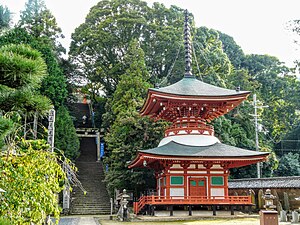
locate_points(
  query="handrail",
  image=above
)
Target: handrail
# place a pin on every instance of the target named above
(140, 204)
(191, 200)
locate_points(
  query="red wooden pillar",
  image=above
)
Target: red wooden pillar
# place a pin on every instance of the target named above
(186, 183)
(208, 165)
(157, 177)
(226, 174)
(185, 166)
(226, 183)
(168, 184)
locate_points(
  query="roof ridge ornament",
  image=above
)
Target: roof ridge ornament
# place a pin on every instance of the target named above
(187, 46)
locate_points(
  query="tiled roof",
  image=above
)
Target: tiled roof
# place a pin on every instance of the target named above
(190, 86)
(274, 182)
(216, 150)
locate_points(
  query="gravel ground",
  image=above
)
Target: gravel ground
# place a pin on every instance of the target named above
(231, 221)
(78, 221)
(244, 221)
(90, 220)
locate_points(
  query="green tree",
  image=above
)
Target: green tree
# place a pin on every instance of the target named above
(288, 165)
(232, 50)
(66, 138)
(111, 25)
(278, 89)
(30, 174)
(41, 25)
(214, 64)
(108, 29)
(22, 71)
(32, 178)
(290, 143)
(273, 83)
(5, 17)
(129, 132)
(38, 21)
(54, 86)
(6, 127)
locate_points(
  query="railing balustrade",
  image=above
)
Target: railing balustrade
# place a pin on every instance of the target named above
(191, 200)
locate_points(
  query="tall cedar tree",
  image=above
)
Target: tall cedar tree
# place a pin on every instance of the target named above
(37, 20)
(130, 132)
(5, 18)
(65, 134)
(41, 25)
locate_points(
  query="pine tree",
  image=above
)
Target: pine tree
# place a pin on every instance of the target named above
(21, 74)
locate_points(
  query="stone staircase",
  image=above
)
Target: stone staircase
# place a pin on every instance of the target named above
(96, 201)
(90, 173)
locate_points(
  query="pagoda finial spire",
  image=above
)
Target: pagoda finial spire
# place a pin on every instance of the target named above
(187, 46)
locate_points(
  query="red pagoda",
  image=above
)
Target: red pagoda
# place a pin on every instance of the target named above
(191, 165)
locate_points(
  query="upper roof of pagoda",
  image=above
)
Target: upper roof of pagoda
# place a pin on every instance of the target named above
(190, 86)
(189, 89)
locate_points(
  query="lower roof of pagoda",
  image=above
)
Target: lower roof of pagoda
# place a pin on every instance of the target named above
(217, 152)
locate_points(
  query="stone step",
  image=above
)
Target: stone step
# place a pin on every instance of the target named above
(82, 200)
(89, 212)
(91, 200)
(92, 207)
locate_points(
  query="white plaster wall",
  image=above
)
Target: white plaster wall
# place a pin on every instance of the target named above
(217, 192)
(177, 192)
(193, 140)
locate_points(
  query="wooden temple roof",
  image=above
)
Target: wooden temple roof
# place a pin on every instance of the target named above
(190, 86)
(263, 183)
(216, 150)
(192, 93)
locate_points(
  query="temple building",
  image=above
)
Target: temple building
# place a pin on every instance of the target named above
(191, 165)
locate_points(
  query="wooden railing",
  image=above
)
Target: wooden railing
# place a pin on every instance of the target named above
(137, 206)
(190, 127)
(190, 200)
(189, 130)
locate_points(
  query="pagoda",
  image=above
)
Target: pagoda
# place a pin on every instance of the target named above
(191, 165)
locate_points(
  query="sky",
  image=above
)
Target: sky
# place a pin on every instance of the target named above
(258, 26)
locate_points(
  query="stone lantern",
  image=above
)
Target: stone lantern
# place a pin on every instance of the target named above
(269, 200)
(270, 215)
(123, 212)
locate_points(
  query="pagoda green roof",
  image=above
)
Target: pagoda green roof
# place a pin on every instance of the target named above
(216, 150)
(190, 86)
